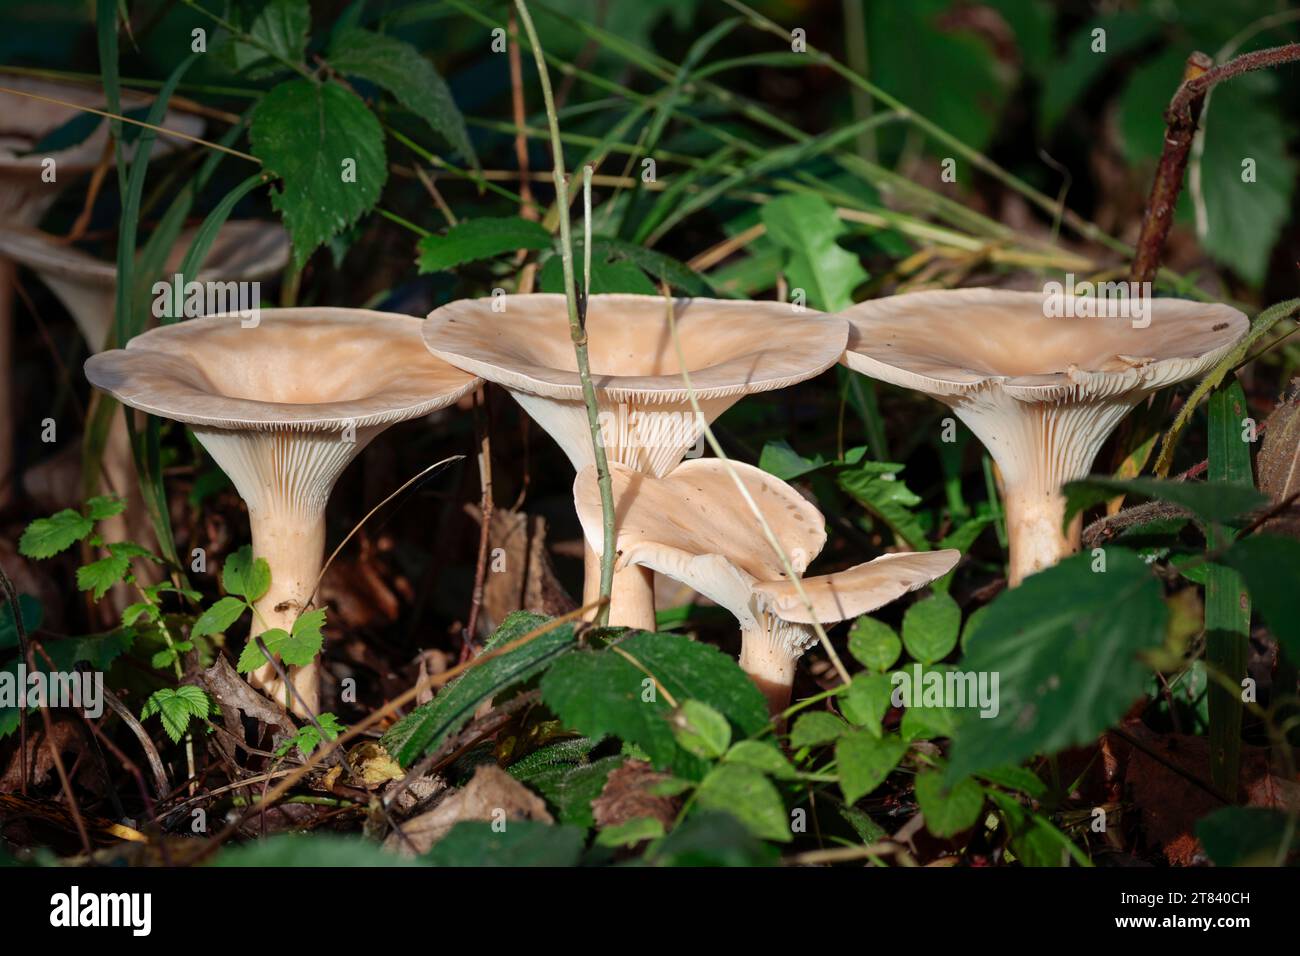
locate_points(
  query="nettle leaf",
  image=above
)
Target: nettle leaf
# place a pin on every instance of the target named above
(747, 795)
(281, 27)
(1066, 647)
(473, 239)
(948, 811)
(806, 227)
(520, 843)
(930, 628)
(425, 728)
(818, 727)
(220, 616)
(1268, 564)
(399, 68)
(46, 537)
(1209, 501)
(865, 760)
(245, 576)
(327, 149)
(32, 614)
(874, 644)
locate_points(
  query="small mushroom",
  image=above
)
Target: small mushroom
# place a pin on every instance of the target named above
(243, 251)
(1042, 392)
(693, 526)
(734, 348)
(283, 407)
(30, 182)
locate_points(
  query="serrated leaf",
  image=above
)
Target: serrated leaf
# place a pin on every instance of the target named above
(304, 133)
(98, 576)
(280, 27)
(46, 537)
(1066, 646)
(399, 68)
(104, 506)
(763, 756)
(864, 761)
(930, 628)
(806, 227)
(948, 811)
(520, 843)
(1210, 501)
(245, 576)
(225, 612)
(473, 239)
(747, 795)
(426, 727)
(606, 277)
(874, 644)
(701, 730)
(876, 486)
(818, 727)
(175, 707)
(297, 648)
(569, 790)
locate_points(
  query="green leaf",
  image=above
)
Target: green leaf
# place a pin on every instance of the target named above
(631, 832)
(98, 576)
(246, 577)
(817, 727)
(712, 839)
(281, 27)
(309, 850)
(948, 811)
(46, 537)
(874, 644)
(308, 738)
(930, 628)
(601, 692)
(865, 760)
(866, 701)
(1268, 564)
(297, 648)
(569, 790)
(779, 459)
(1245, 836)
(520, 843)
(309, 135)
(104, 506)
(175, 707)
(225, 612)
(426, 727)
(876, 486)
(747, 795)
(474, 239)
(1210, 501)
(657, 265)
(1073, 73)
(32, 613)
(1015, 778)
(1066, 647)
(701, 730)
(762, 756)
(806, 226)
(606, 277)
(399, 68)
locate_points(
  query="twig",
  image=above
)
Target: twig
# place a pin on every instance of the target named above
(483, 431)
(577, 327)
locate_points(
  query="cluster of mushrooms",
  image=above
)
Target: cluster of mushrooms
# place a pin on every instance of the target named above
(284, 405)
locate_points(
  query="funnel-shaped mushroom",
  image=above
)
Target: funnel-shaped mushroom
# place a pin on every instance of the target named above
(246, 251)
(693, 526)
(283, 407)
(30, 181)
(1041, 391)
(732, 349)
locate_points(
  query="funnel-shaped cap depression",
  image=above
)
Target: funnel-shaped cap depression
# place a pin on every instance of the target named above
(954, 342)
(297, 369)
(732, 348)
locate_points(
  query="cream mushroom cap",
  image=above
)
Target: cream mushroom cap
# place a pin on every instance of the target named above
(1042, 392)
(283, 406)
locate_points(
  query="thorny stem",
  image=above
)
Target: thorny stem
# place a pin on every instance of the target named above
(577, 329)
(749, 499)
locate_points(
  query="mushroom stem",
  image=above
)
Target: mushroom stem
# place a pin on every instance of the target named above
(293, 544)
(632, 597)
(1034, 519)
(769, 653)
(285, 477)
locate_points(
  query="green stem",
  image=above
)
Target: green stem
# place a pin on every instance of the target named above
(577, 331)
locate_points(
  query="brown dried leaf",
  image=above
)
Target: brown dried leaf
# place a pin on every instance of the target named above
(628, 795)
(1278, 463)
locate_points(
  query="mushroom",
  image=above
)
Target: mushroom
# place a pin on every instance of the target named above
(692, 526)
(283, 407)
(1041, 391)
(27, 190)
(734, 348)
